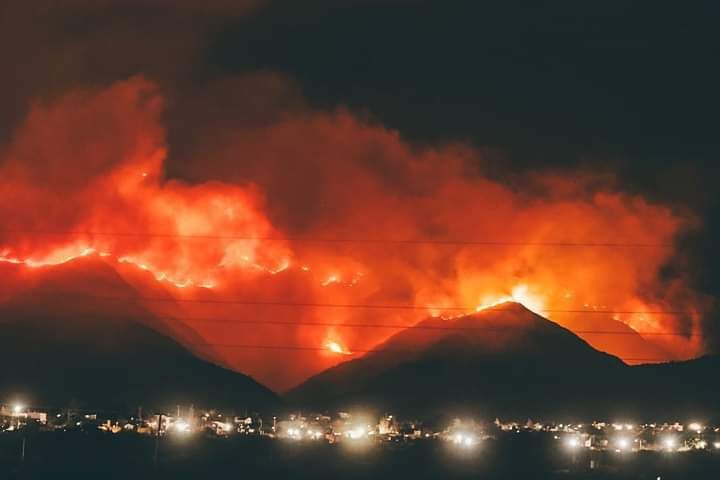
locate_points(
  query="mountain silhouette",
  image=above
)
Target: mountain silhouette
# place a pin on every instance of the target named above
(509, 361)
(61, 346)
(506, 360)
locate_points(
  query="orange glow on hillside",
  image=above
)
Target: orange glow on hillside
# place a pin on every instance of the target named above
(335, 347)
(320, 219)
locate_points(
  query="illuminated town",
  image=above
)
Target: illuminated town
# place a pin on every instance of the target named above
(359, 240)
(344, 427)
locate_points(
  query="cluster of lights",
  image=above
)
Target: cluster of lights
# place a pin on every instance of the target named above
(181, 426)
(668, 437)
(463, 440)
(696, 427)
(298, 433)
(315, 435)
(357, 433)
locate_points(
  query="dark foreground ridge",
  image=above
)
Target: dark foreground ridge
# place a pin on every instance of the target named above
(528, 457)
(93, 357)
(514, 363)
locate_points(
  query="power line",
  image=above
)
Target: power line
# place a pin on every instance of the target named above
(371, 306)
(482, 328)
(390, 326)
(363, 351)
(411, 241)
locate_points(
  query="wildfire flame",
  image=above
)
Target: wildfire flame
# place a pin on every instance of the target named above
(96, 178)
(520, 294)
(335, 347)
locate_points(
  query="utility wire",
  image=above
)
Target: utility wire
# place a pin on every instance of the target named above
(283, 303)
(409, 241)
(482, 328)
(350, 352)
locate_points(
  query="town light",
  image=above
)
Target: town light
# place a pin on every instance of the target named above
(463, 440)
(623, 443)
(572, 443)
(356, 433)
(716, 445)
(18, 408)
(182, 426)
(669, 443)
(696, 427)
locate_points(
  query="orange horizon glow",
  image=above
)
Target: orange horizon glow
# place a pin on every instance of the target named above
(237, 233)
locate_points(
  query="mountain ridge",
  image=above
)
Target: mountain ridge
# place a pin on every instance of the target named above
(508, 361)
(61, 350)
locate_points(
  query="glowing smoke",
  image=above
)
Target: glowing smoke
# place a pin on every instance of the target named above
(93, 162)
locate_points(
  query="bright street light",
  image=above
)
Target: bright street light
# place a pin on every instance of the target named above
(572, 443)
(623, 443)
(182, 426)
(696, 427)
(356, 433)
(670, 443)
(463, 440)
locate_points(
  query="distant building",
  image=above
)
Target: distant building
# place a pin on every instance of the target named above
(13, 412)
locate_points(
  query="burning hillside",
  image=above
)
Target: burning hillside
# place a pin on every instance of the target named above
(321, 232)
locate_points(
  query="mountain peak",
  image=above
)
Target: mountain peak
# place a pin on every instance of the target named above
(480, 358)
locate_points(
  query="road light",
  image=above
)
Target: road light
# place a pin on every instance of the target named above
(18, 408)
(696, 427)
(670, 443)
(623, 443)
(357, 433)
(463, 440)
(572, 443)
(182, 426)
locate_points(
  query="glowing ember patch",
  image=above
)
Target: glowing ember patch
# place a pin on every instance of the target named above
(337, 348)
(284, 265)
(520, 294)
(331, 279)
(163, 276)
(58, 258)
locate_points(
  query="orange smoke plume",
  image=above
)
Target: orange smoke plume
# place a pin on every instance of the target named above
(292, 228)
